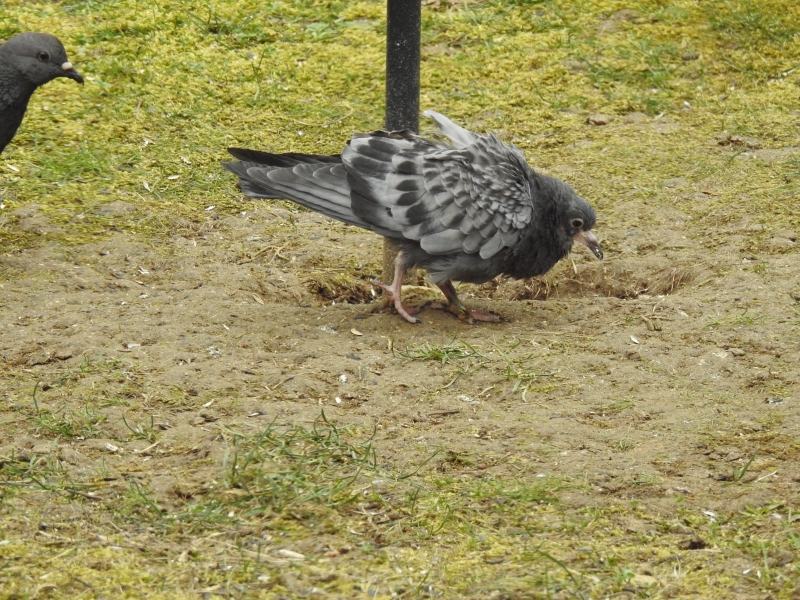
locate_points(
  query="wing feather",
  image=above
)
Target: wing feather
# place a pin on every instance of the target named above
(472, 195)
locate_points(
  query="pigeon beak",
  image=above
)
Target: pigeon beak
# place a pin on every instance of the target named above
(588, 239)
(70, 72)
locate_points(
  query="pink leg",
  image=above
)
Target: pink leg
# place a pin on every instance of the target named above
(395, 291)
(454, 306)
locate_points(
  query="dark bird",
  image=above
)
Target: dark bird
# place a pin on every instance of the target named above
(468, 210)
(27, 61)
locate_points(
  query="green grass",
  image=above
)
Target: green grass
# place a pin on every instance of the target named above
(499, 363)
(443, 353)
(171, 86)
(434, 527)
(282, 469)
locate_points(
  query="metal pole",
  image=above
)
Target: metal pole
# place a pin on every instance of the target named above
(403, 24)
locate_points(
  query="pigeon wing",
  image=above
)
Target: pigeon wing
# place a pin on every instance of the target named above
(474, 199)
(473, 196)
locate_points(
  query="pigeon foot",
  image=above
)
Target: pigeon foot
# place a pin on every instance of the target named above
(455, 306)
(483, 316)
(394, 292)
(394, 299)
(466, 315)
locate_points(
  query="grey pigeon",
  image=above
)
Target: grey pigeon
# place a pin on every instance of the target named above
(467, 211)
(27, 61)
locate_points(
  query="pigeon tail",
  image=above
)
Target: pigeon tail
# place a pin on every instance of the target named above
(319, 186)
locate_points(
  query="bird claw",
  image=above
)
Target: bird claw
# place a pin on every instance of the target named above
(466, 315)
(392, 299)
(483, 316)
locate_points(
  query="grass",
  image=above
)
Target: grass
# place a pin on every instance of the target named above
(156, 73)
(443, 353)
(282, 469)
(451, 532)
(503, 364)
(170, 86)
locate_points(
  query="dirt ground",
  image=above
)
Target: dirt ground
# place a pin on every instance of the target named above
(665, 375)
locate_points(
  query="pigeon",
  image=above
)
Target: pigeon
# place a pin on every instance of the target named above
(465, 210)
(27, 61)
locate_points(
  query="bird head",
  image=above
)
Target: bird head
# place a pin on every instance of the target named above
(39, 57)
(578, 221)
(575, 216)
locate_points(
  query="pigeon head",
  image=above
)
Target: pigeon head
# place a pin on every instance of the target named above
(39, 58)
(575, 217)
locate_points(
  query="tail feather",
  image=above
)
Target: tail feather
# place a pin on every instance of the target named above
(319, 186)
(288, 159)
(252, 190)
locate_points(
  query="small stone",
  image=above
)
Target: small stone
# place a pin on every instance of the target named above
(643, 580)
(599, 119)
(745, 140)
(43, 448)
(72, 457)
(627, 14)
(607, 26)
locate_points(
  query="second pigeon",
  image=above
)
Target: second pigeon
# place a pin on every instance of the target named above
(27, 61)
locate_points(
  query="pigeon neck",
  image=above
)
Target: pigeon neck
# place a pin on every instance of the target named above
(15, 90)
(540, 249)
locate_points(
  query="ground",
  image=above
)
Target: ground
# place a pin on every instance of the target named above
(201, 396)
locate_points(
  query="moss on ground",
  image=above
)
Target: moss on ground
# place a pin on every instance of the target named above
(170, 85)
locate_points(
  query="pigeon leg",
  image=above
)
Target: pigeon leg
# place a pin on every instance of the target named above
(455, 306)
(394, 292)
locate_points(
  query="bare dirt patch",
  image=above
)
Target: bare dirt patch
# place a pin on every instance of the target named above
(641, 379)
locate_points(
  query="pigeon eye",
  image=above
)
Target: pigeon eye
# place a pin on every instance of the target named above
(43, 56)
(577, 223)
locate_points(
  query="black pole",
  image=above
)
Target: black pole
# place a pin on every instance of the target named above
(403, 24)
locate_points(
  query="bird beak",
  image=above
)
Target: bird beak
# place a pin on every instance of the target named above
(70, 72)
(587, 239)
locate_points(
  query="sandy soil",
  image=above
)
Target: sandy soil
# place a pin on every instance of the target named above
(658, 375)
(690, 381)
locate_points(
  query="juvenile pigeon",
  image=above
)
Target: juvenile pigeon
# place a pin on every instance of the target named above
(466, 211)
(27, 61)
